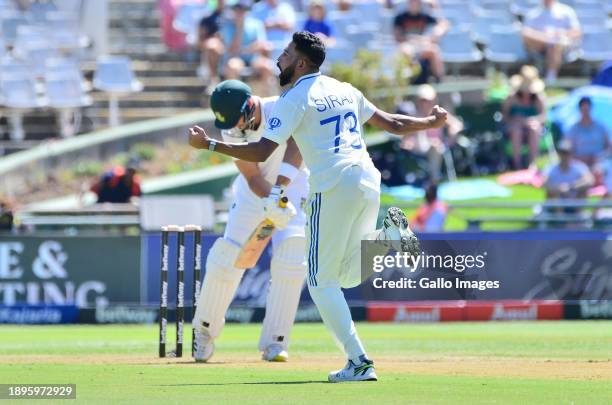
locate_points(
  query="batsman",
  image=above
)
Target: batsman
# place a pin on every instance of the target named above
(259, 196)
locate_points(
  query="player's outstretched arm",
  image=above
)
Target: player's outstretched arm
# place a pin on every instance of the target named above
(250, 152)
(400, 124)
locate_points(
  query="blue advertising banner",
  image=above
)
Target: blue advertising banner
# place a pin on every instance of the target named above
(39, 314)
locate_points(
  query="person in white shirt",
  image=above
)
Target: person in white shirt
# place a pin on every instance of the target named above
(570, 178)
(241, 116)
(278, 17)
(325, 118)
(552, 30)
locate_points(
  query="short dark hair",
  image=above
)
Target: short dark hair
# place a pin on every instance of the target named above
(310, 46)
(586, 100)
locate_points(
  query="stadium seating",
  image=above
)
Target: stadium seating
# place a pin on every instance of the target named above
(596, 46)
(505, 47)
(114, 76)
(457, 48)
(19, 95)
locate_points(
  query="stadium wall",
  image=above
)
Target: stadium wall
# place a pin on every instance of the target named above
(66, 279)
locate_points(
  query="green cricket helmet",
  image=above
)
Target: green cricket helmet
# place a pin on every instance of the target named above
(229, 101)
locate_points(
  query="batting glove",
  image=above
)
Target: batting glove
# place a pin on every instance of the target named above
(280, 216)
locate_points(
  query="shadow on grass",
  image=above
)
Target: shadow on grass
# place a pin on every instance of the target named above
(245, 383)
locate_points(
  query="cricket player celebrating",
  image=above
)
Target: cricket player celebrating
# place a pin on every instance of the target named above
(240, 115)
(325, 117)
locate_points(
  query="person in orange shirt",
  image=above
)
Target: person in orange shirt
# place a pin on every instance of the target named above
(118, 185)
(430, 216)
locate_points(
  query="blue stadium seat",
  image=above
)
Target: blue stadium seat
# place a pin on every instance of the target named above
(457, 48)
(18, 94)
(596, 46)
(114, 75)
(505, 46)
(522, 7)
(484, 23)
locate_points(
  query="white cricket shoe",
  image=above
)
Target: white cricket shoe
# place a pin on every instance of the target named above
(398, 234)
(204, 347)
(364, 371)
(275, 353)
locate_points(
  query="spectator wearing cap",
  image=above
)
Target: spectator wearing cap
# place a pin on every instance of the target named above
(245, 44)
(210, 44)
(589, 138)
(551, 30)
(570, 178)
(317, 23)
(279, 19)
(435, 142)
(118, 185)
(524, 113)
(418, 32)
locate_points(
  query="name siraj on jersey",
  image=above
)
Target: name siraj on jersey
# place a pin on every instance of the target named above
(331, 101)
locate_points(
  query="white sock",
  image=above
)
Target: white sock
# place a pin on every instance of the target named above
(336, 316)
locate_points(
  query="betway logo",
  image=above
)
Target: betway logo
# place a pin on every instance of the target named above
(240, 315)
(417, 315)
(596, 309)
(514, 314)
(123, 314)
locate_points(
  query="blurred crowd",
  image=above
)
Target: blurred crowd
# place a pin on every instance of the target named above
(243, 38)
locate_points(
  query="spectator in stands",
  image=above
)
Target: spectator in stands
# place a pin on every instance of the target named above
(317, 24)
(6, 215)
(344, 5)
(589, 138)
(245, 44)
(278, 18)
(524, 113)
(118, 185)
(418, 32)
(551, 30)
(433, 143)
(570, 178)
(430, 216)
(211, 45)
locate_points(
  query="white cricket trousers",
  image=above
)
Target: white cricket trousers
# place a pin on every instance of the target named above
(338, 220)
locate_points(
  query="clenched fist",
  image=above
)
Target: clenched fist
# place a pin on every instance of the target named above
(439, 115)
(198, 138)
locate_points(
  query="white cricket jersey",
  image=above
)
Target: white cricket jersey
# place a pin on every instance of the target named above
(325, 117)
(269, 168)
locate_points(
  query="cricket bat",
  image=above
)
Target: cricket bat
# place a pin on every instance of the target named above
(257, 242)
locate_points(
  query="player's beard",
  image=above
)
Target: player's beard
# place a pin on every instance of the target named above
(286, 75)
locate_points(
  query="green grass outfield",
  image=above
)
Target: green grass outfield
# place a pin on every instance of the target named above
(494, 363)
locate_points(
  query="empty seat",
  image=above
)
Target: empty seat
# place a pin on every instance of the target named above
(18, 94)
(9, 28)
(65, 92)
(506, 47)
(38, 11)
(522, 7)
(593, 22)
(457, 48)
(114, 75)
(596, 46)
(485, 23)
